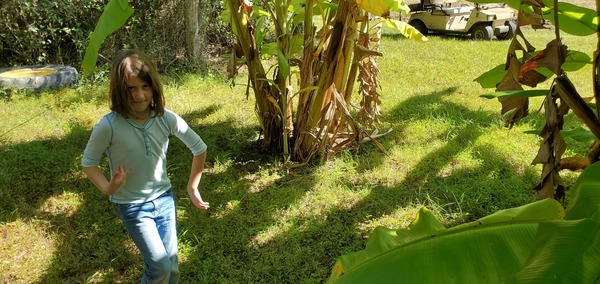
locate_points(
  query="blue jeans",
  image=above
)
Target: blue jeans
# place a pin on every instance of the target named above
(152, 226)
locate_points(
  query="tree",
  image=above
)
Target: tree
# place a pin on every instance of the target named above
(324, 62)
(328, 62)
(193, 36)
(527, 67)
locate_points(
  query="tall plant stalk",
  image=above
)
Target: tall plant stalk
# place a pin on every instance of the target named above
(562, 96)
(328, 67)
(268, 111)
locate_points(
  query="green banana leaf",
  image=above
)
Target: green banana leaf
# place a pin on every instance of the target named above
(115, 14)
(578, 134)
(516, 94)
(585, 202)
(534, 243)
(398, 6)
(573, 19)
(575, 60)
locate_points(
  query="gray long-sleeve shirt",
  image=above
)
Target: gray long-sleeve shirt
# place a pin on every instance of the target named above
(142, 148)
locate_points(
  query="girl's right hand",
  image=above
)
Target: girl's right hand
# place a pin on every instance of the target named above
(119, 177)
(197, 199)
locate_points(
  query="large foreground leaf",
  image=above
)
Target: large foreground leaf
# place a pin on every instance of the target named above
(115, 14)
(585, 202)
(573, 19)
(533, 243)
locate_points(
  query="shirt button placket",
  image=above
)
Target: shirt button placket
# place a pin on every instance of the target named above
(146, 141)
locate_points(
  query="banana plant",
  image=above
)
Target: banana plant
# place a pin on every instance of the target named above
(324, 63)
(539, 242)
(338, 43)
(527, 67)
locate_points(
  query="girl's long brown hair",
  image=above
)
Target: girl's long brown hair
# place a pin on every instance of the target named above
(130, 63)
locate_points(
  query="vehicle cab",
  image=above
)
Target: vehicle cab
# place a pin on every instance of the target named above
(482, 22)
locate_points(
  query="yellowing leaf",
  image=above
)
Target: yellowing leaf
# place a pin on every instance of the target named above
(375, 7)
(406, 30)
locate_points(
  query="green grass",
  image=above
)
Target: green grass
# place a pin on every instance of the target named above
(448, 150)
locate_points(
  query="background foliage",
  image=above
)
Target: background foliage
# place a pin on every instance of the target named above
(39, 31)
(448, 151)
(56, 32)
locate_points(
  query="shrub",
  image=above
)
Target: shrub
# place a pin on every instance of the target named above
(56, 32)
(40, 31)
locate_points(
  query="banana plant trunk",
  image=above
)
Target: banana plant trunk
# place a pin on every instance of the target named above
(267, 96)
(318, 110)
(328, 67)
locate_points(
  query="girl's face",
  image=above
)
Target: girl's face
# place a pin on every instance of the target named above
(141, 94)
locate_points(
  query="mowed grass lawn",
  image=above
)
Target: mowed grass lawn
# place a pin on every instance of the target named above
(448, 150)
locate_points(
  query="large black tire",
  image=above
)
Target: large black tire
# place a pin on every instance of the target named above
(420, 26)
(512, 28)
(38, 77)
(482, 32)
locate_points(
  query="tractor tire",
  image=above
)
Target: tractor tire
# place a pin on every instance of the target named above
(38, 77)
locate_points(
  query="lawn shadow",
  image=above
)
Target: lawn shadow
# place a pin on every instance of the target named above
(87, 235)
(91, 244)
(493, 167)
(311, 244)
(260, 243)
(237, 196)
(308, 245)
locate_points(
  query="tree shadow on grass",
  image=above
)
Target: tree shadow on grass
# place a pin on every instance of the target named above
(242, 203)
(37, 178)
(466, 127)
(259, 229)
(44, 188)
(263, 244)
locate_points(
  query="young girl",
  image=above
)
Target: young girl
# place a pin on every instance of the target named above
(135, 138)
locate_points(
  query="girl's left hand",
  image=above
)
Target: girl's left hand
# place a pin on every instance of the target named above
(197, 199)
